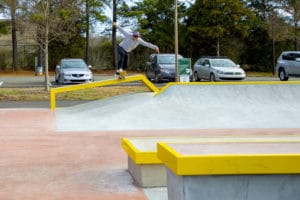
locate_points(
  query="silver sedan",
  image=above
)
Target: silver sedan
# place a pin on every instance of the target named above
(217, 68)
(73, 70)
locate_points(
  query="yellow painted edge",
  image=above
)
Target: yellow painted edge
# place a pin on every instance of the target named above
(238, 164)
(150, 85)
(52, 99)
(163, 89)
(228, 164)
(54, 91)
(168, 156)
(137, 156)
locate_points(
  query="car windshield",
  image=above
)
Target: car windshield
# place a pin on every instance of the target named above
(222, 63)
(167, 59)
(74, 64)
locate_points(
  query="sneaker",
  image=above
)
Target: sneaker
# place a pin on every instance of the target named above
(118, 72)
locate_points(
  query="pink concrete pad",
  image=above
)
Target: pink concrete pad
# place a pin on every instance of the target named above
(37, 162)
(27, 119)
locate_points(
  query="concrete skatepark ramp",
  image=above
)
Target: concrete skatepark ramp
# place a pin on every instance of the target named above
(190, 107)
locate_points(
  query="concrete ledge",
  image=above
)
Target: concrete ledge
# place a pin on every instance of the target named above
(148, 175)
(148, 170)
(232, 171)
(231, 158)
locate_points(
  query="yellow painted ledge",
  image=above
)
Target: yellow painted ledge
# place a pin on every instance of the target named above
(54, 91)
(149, 156)
(228, 164)
(139, 157)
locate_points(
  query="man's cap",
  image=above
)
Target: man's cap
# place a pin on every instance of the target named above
(136, 34)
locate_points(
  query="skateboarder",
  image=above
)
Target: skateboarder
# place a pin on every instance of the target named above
(130, 42)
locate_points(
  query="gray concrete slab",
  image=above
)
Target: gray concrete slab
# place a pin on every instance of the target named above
(189, 107)
(233, 187)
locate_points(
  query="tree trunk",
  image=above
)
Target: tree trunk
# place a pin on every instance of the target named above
(114, 37)
(296, 42)
(87, 33)
(14, 41)
(218, 46)
(46, 55)
(45, 46)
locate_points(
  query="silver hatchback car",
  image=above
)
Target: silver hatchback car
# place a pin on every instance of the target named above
(217, 68)
(288, 64)
(73, 70)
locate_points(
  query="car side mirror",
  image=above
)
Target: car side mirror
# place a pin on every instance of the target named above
(90, 66)
(238, 66)
(57, 66)
(207, 65)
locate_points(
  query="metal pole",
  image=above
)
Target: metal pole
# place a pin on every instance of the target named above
(176, 40)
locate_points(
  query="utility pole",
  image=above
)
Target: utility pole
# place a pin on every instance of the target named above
(176, 41)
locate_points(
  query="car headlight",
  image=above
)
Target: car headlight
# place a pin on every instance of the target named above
(88, 74)
(164, 70)
(67, 75)
(220, 72)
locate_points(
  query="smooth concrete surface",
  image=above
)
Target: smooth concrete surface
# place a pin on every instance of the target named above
(249, 148)
(149, 144)
(234, 187)
(148, 175)
(189, 107)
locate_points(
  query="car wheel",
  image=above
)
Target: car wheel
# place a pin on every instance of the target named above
(156, 78)
(56, 80)
(147, 75)
(196, 77)
(60, 80)
(212, 77)
(282, 75)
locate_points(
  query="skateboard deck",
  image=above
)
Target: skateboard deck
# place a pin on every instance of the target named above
(122, 75)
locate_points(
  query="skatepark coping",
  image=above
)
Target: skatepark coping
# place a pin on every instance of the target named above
(54, 91)
(231, 158)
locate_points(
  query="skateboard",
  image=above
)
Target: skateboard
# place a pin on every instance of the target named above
(122, 75)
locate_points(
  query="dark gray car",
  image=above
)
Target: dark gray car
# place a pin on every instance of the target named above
(161, 67)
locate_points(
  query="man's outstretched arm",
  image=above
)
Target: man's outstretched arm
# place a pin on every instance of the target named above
(149, 45)
(115, 24)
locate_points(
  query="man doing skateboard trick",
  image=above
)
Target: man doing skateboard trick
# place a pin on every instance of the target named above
(129, 43)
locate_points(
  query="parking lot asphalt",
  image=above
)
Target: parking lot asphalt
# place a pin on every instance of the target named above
(20, 81)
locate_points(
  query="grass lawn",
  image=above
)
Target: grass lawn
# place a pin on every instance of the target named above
(39, 94)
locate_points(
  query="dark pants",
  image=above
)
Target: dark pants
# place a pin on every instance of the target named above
(123, 58)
